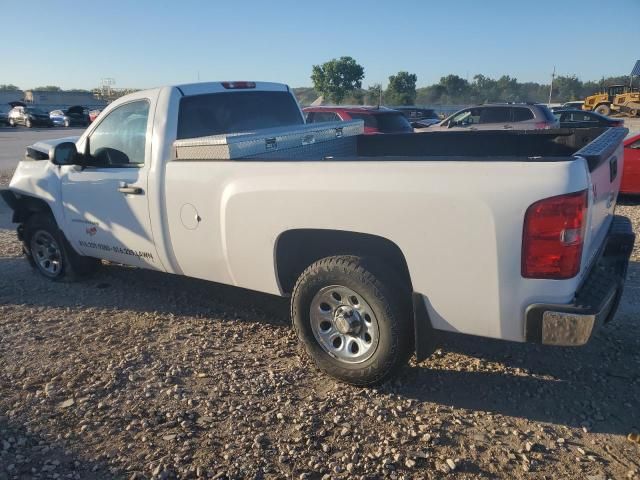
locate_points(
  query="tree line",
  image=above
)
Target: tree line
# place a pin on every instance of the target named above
(340, 81)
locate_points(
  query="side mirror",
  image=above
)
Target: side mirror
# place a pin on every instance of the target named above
(64, 153)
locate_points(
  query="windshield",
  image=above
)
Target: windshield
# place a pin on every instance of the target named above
(384, 122)
(218, 113)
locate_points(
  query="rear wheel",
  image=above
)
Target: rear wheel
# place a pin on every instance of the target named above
(50, 253)
(66, 123)
(603, 109)
(353, 318)
(27, 123)
(12, 122)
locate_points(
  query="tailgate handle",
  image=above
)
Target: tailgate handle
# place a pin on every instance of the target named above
(613, 169)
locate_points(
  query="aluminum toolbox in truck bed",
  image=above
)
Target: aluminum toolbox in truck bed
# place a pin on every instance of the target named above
(305, 142)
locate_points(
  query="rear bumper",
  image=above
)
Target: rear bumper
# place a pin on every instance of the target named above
(595, 302)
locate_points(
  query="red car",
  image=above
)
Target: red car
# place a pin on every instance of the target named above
(376, 120)
(93, 114)
(631, 171)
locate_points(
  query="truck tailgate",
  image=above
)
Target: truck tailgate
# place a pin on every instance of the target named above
(604, 157)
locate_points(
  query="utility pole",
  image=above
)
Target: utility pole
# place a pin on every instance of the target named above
(553, 75)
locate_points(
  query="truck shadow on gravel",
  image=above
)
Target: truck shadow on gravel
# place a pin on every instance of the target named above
(594, 387)
(29, 454)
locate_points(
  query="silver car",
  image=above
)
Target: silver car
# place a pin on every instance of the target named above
(498, 116)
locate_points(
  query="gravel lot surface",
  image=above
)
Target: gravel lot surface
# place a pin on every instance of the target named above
(135, 374)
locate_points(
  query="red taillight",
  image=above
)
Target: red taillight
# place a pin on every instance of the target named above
(543, 125)
(553, 236)
(237, 85)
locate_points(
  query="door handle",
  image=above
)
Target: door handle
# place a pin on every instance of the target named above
(507, 126)
(128, 189)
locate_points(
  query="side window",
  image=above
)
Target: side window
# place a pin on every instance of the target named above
(466, 117)
(495, 115)
(309, 116)
(522, 114)
(120, 138)
(635, 145)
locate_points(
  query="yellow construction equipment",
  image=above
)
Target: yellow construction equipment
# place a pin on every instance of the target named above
(615, 98)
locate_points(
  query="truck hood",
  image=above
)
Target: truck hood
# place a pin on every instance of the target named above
(45, 146)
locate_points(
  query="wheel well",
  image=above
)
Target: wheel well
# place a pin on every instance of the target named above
(297, 249)
(24, 206)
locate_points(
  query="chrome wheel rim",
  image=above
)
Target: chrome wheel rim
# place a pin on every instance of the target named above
(46, 253)
(344, 324)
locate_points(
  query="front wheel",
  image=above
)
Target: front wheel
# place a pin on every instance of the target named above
(27, 123)
(12, 122)
(50, 253)
(353, 317)
(603, 109)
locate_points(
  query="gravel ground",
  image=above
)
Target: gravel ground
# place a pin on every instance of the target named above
(136, 374)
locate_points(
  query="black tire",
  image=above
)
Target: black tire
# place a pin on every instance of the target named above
(390, 301)
(603, 109)
(41, 227)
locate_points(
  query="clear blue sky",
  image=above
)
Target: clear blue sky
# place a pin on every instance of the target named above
(74, 43)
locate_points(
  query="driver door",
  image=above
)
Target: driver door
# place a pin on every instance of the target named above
(105, 201)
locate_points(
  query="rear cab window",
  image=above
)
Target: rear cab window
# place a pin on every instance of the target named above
(317, 117)
(229, 112)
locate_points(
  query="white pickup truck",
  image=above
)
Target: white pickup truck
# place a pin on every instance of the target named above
(509, 235)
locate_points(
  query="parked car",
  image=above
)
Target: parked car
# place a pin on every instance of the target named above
(29, 117)
(377, 255)
(497, 116)
(419, 117)
(582, 119)
(573, 105)
(76, 116)
(93, 114)
(631, 169)
(4, 114)
(376, 119)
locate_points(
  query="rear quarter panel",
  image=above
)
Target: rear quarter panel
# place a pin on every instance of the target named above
(458, 224)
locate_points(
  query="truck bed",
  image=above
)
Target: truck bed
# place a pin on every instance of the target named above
(517, 145)
(523, 145)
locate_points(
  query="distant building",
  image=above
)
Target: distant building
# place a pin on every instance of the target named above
(47, 98)
(7, 96)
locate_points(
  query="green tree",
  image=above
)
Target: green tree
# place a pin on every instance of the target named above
(9, 87)
(401, 89)
(337, 78)
(48, 88)
(457, 89)
(374, 94)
